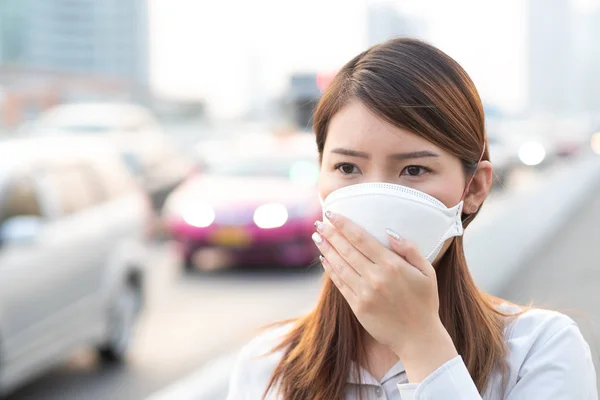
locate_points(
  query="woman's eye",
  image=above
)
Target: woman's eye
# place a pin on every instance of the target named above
(347, 169)
(414, 170)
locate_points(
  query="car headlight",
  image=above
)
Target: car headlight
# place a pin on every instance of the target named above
(532, 153)
(199, 215)
(269, 216)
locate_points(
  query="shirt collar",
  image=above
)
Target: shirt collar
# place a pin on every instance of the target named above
(367, 379)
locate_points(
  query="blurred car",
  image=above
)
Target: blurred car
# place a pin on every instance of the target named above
(570, 143)
(523, 140)
(541, 140)
(255, 207)
(147, 151)
(73, 224)
(503, 159)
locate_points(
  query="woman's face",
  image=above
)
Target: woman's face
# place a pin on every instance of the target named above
(361, 147)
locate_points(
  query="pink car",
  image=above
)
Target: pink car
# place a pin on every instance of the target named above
(255, 211)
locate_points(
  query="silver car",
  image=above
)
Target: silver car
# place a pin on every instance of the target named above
(73, 225)
(149, 153)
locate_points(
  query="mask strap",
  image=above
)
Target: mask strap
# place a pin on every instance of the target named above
(473, 176)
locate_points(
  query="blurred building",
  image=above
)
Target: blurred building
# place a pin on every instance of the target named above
(551, 67)
(385, 22)
(564, 57)
(12, 30)
(303, 95)
(107, 38)
(61, 50)
(587, 59)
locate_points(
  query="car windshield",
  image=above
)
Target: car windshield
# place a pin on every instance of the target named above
(297, 169)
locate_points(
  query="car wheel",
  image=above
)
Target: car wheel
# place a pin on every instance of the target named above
(120, 325)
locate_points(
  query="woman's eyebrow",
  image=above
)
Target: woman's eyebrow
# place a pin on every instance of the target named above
(398, 156)
(414, 154)
(351, 153)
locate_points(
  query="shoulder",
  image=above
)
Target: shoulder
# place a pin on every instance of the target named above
(550, 342)
(537, 326)
(256, 362)
(547, 358)
(534, 321)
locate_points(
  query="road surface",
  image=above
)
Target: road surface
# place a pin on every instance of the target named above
(565, 277)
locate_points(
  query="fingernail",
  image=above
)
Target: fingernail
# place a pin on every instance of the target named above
(322, 259)
(319, 226)
(317, 238)
(330, 216)
(393, 234)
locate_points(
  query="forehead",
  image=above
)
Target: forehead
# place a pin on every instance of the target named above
(356, 127)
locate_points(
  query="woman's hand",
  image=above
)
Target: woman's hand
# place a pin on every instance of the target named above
(392, 293)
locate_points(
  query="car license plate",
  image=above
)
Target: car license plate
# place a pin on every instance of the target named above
(231, 237)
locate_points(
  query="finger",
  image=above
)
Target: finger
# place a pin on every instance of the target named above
(410, 252)
(346, 273)
(358, 237)
(344, 248)
(346, 291)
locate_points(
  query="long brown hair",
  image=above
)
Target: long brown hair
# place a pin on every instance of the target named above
(415, 86)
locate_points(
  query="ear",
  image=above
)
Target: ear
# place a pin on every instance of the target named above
(479, 188)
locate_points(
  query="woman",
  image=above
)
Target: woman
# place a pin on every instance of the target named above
(402, 126)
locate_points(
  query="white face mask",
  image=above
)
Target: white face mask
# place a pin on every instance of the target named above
(414, 215)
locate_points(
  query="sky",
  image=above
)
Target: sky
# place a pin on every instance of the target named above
(226, 50)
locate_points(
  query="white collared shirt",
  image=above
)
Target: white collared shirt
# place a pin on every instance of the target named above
(548, 359)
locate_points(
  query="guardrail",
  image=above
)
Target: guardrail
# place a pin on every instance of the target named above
(498, 245)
